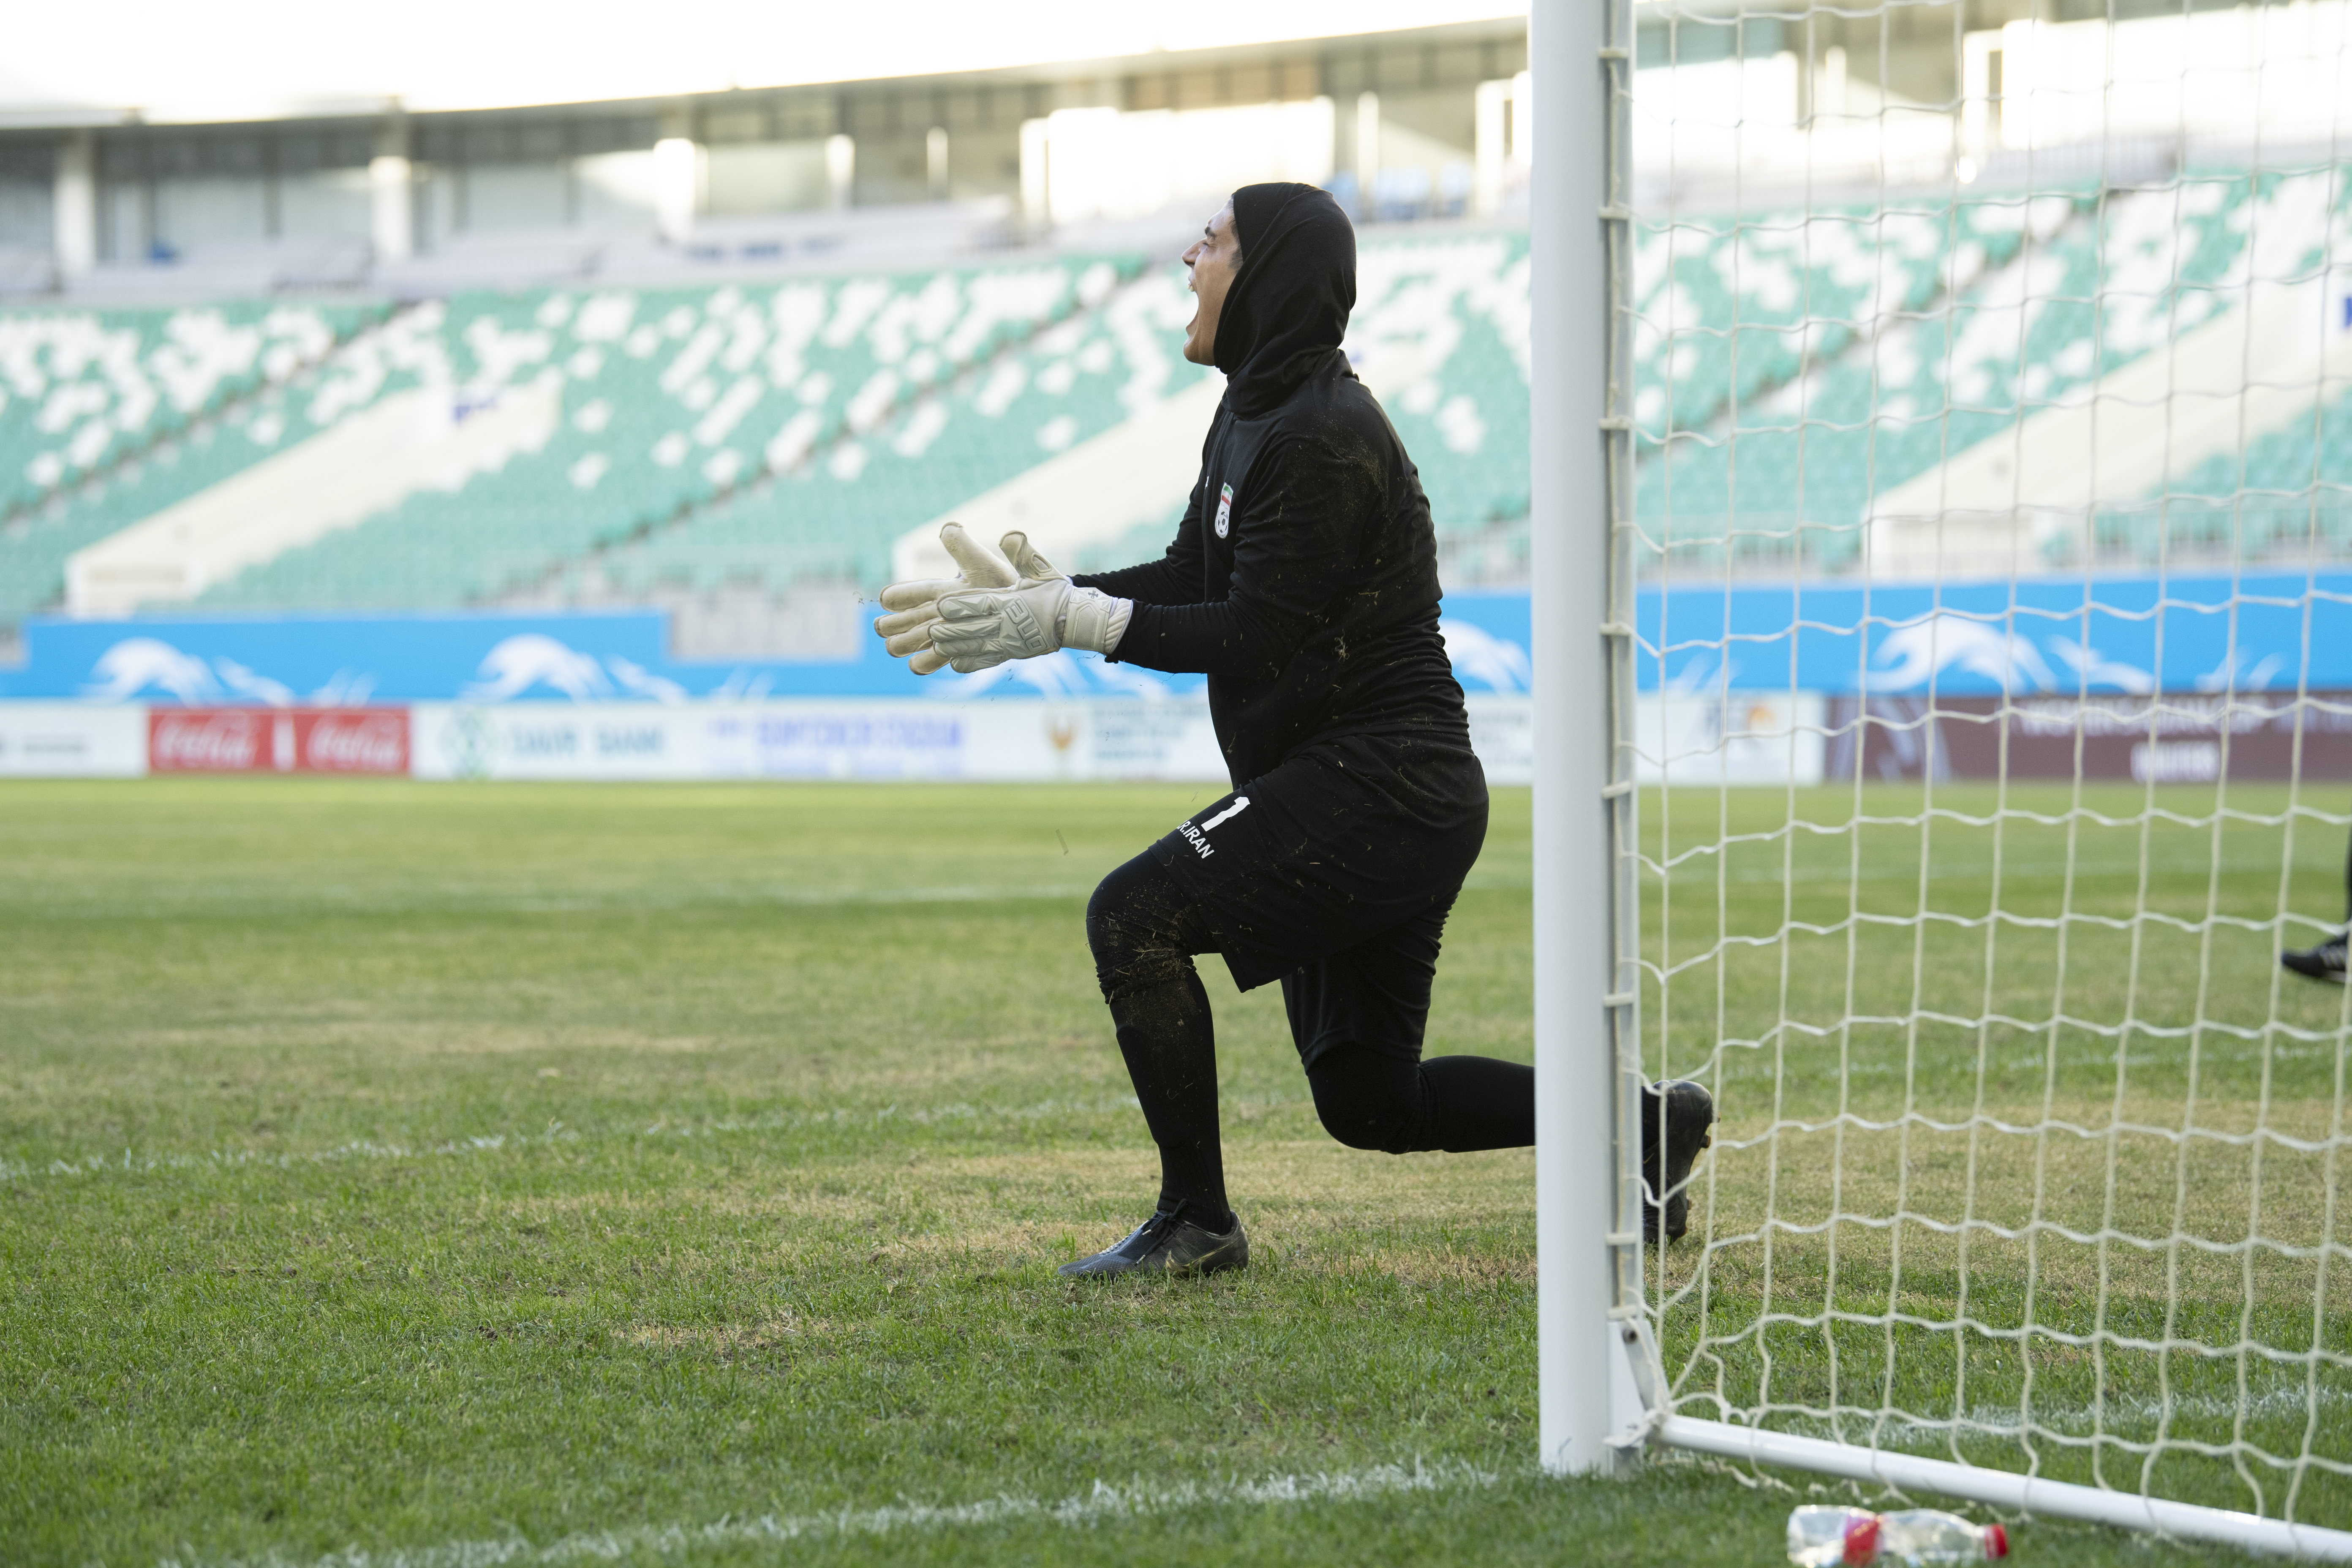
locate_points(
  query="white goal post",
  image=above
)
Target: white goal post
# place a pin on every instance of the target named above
(1574, 589)
(1941, 545)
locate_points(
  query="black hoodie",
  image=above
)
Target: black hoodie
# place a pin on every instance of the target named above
(1303, 580)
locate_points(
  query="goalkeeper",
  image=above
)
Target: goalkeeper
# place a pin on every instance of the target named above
(1303, 582)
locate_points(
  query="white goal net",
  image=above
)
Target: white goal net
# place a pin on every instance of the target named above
(1991, 524)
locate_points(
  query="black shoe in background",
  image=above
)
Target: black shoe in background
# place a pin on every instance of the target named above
(1167, 1243)
(2324, 962)
(1690, 1111)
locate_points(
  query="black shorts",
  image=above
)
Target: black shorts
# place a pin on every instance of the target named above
(1334, 877)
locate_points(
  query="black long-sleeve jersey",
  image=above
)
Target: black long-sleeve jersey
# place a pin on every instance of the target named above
(1303, 580)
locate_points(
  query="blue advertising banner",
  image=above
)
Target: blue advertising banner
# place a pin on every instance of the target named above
(2112, 634)
(2125, 635)
(336, 660)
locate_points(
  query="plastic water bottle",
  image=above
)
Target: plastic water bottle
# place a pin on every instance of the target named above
(1826, 1536)
(1823, 1536)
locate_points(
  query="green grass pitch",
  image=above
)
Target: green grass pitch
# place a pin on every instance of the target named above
(458, 1175)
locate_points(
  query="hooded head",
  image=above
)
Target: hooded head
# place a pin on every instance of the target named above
(1287, 308)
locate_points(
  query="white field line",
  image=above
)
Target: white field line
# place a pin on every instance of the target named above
(175, 901)
(1103, 1504)
(465, 900)
(132, 1163)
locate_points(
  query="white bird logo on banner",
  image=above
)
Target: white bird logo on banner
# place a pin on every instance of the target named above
(1916, 654)
(2095, 668)
(1479, 655)
(133, 665)
(520, 663)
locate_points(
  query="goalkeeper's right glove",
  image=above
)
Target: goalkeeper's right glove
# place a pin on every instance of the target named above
(917, 603)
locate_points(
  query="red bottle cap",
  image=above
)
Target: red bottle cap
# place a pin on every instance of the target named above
(1996, 1540)
(1861, 1541)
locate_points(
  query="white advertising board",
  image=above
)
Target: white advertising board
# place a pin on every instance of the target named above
(556, 741)
(1751, 737)
(1699, 739)
(1008, 741)
(73, 740)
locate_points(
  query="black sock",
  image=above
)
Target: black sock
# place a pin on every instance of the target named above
(1477, 1102)
(1369, 1100)
(1143, 929)
(1170, 1045)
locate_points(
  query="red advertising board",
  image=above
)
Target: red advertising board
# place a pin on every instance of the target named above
(278, 740)
(351, 741)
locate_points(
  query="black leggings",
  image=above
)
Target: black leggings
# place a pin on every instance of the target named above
(1144, 931)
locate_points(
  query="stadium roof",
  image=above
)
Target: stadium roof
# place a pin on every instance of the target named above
(168, 61)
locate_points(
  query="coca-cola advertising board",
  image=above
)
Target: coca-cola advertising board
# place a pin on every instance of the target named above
(278, 740)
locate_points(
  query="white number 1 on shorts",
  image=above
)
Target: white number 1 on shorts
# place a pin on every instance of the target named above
(1240, 801)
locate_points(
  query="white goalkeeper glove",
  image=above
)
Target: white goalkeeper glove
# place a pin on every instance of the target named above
(908, 631)
(979, 628)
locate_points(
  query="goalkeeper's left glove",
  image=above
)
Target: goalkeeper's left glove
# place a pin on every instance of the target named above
(980, 628)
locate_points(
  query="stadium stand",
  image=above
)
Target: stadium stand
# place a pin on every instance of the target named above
(834, 510)
(1952, 346)
(2296, 496)
(747, 437)
(2289, 492)
(80, 390)
(1793, 289)
(1457, 308)
(674, 400)
(108, 416)
(741, 437)
(756, 436)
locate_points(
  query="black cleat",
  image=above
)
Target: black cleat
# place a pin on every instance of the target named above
(1167, 1243)
(1690, 1111)
(2324, 962)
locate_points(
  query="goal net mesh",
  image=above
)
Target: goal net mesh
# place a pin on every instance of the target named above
(1992, 506)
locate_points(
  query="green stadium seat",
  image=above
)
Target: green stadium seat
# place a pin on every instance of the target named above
(1789, 366)
(677, 402)
(106, 416)
(2073, 289)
